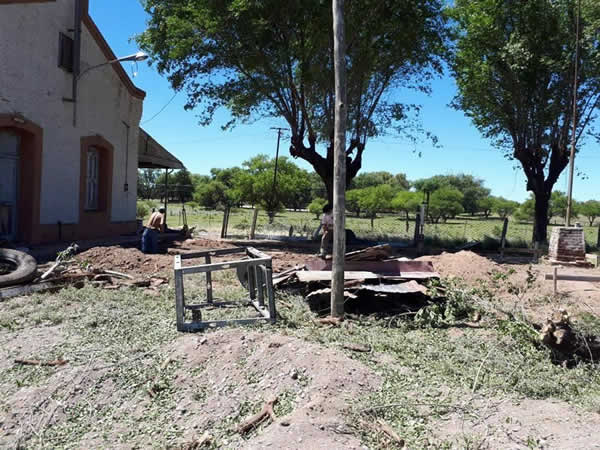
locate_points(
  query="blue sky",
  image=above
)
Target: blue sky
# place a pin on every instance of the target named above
(201, 148)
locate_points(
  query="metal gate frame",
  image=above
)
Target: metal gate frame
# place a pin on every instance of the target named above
(259, 270)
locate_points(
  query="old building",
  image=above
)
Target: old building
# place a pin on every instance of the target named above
(69, 126)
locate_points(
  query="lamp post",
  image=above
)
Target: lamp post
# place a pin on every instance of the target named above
(137, 57)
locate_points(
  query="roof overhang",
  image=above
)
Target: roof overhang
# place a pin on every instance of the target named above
(152, 155)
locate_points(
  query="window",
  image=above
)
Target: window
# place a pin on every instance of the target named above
(92, 182)
(65, 52)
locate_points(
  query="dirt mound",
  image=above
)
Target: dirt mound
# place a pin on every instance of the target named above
(132, 261)
(464, 264)
(237, 371)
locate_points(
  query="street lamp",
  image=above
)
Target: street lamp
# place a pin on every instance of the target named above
(136, 57)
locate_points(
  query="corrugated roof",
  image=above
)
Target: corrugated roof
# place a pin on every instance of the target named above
(152, 155)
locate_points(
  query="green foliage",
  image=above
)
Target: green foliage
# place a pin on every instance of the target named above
(141, 209)
(316, 206)
(181, 186)
(274, 59)
(472, 189)
(353, 202)
(255, 184)
(375, 199)
(558, 205)
(503, 207)
(590, 210)
(526, 212)
(445, 203)
(513, 65)
(369, 179)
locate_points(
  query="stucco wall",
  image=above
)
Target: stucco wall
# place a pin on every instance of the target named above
(32, 84)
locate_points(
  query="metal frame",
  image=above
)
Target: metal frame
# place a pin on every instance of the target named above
(259, 270)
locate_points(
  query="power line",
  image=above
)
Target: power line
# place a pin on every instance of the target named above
(161, 110)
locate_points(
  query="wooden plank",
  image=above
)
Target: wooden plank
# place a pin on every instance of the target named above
(306, 276)
(17, 291)
(220, 323)
(567, 277)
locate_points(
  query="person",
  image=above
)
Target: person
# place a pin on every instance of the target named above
(155, 225)
(327, 224)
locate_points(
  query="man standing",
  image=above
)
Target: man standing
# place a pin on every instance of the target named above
(327, 224)
(155, 225)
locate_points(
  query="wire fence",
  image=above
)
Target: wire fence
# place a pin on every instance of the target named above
(452, 234)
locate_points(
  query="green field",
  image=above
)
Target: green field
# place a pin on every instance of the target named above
(386, 227)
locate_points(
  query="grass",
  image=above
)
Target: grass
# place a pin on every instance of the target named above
(387, 227)
(428, 370)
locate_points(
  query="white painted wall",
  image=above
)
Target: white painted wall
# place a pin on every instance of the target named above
(32, 84)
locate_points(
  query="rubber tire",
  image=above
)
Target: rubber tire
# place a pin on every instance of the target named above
(26, 267)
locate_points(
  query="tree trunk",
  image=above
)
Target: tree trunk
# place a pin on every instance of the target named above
(540, 224)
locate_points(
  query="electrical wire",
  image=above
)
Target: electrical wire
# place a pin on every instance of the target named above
(161, 109)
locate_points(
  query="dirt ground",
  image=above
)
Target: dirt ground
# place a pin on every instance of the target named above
(119, 346)
(132, 261)
(538, 302)
(509, 279)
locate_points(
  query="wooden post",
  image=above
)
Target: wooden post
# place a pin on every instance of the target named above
(339, 148)
(209, 290)
(253, 227)
(598, 242)
(555, 279)
(536, 254)
(503, 238)
(225, 223)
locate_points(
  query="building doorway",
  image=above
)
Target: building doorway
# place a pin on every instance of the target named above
(9, 181)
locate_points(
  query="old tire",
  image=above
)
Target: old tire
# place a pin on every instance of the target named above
(25, 267)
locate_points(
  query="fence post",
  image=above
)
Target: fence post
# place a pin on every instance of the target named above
(598, 243)
(503, 238)
(225, 223)
(253, 227)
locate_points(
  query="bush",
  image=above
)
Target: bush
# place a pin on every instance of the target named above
(316, 206)
(142, 209)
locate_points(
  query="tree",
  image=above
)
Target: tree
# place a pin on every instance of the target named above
(367, 179)
(353, 201)
(255, 184)
(472, 188)
(514, 69)
(316, 207)
(558, 205)
(445, 203)
(406, 202)
(215, 195)
(376, 199)
(526, 212)
(591, 210)
(504, 207)
(275, 59)
(485, 205)
(146, 183)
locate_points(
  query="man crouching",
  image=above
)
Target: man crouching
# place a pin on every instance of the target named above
(155, 225)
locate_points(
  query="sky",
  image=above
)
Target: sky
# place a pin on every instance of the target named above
(462, 150)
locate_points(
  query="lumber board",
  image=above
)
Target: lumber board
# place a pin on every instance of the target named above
(16, 291)
(306, 276)
(567, 277)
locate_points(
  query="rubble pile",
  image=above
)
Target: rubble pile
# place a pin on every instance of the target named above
(375, 281)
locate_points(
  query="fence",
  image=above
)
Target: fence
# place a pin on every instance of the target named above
(462, 230)
(451, 234)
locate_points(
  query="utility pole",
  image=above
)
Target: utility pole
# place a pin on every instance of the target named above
(274, 190)
(573, 133)
(339, 146)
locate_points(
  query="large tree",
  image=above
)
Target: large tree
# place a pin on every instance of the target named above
(273, 58)
(514, 64)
